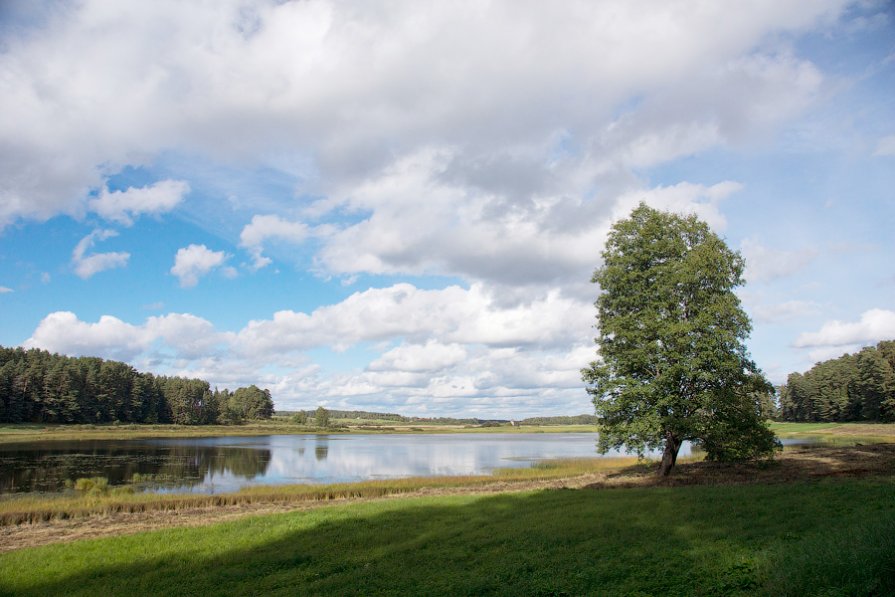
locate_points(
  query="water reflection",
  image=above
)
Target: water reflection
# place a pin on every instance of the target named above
(227, 463)
(47, 466)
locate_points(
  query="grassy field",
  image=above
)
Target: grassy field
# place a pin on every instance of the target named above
(843, 432)
(816, 521)
(30, 432)
(828, 537)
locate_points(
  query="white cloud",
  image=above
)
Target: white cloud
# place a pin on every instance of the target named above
(875, 325)
(262, 228)
(195, 261)
(110, 337)
(349, 86)
(63, 332)
(431, 356)
(453, 315)
(123, 206)
(825, 353)
(87, 265)
(886, 146)
(441, 345)
(5, 289)
(424, 222)
(764, 264)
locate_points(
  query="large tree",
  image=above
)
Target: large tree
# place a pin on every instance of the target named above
(672, 364)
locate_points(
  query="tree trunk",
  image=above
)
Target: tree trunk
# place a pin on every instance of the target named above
(669, 456)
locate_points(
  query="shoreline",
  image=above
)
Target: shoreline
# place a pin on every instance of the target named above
(65, 519)
(35, 432)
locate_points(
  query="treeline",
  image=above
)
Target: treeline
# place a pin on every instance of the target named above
(348, 414)
(39, 387)
(854, 387)
(363, 415)
(573, 420)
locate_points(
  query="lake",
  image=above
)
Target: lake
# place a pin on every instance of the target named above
(222, 464)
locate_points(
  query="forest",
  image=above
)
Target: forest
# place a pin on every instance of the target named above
(39, 387)
(853, 387)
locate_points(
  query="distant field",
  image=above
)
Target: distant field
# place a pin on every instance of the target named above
(39, 432)
(805, 538)
(282, 425)
(844, 431)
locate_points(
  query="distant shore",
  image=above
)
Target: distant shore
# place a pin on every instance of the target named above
(32, 432)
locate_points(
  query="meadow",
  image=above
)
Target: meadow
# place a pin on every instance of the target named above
(806, 538)
(815, 521)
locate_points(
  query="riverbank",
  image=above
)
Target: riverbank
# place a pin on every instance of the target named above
(709, 529)
(32, 432)
(29, 520)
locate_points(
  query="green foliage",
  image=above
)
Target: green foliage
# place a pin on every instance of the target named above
(300, 418)
(561, 420)
(321, 417)
(673, 364)
(39, 387)
(853, 387)
(92, 485)
(735, 540)
(251, 403)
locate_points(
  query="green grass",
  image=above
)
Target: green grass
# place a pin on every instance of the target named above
(837, 433)
(802, 427)
(829, 538)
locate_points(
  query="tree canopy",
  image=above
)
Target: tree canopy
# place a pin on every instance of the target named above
(853, 387)
(672, 363)
(39, 387)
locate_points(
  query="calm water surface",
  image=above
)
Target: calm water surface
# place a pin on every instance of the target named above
(219, 464)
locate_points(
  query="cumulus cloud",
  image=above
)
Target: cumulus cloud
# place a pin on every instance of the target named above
(764, 264)
(873, 326)
(63, 332)
(86, 265)
(110, 337)
(431, 356)
(440, 345)
(195, 261)
(122, 206)
(404, 152)
(262, 228)
(351, 86)
(453, 315)
(424, 222)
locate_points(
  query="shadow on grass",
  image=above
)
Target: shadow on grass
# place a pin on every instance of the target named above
(801, 463)
(691, 540)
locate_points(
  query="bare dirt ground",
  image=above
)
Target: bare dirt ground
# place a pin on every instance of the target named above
(799, 464)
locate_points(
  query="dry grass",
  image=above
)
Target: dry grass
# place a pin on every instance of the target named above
(30, 508)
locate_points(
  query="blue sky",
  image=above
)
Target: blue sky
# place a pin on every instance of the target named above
(398, 207)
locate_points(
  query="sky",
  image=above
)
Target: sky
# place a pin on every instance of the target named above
(398, 206)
